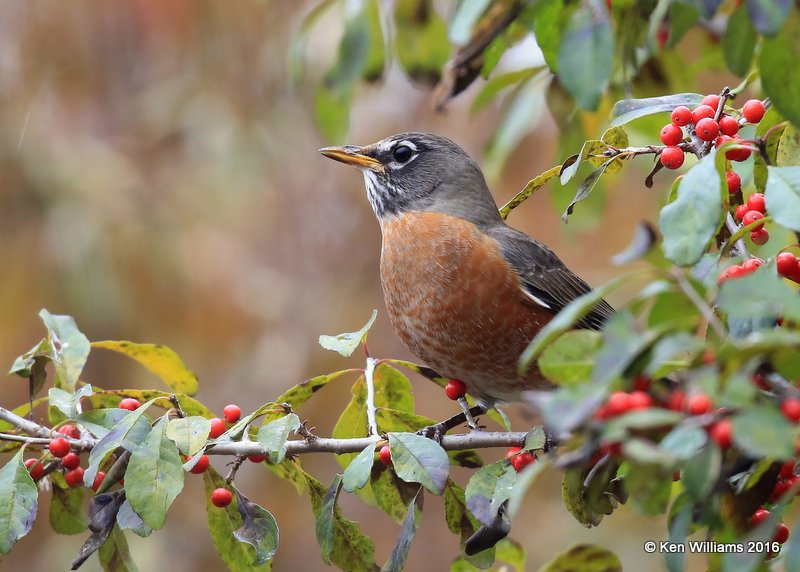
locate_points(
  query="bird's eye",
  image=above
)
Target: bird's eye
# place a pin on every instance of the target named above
(402, 153)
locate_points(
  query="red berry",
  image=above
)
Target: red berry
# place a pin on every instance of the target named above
(740, 154)
(522, 460)
(699, 404)
(791, 409)
(786, 263)
(759, 516)
(676, 400)
(512, 451)
(703, 112)
(641, 383)
(35, 467)
(455, 389)
(130, 404)
(231, 413)
(74, 477)
(98, 480)
(756, 202)
(257, 458)
(751, 217)
(385, 455)
(217, 427)
(69, 431)
(681, 116)
(751, 265)
(728, 125)
(734, 182)
(787, 469)
(59, 447)
(711, 100)
(709, 356)
(201, 465)
(221, 497)
(613, 449)
(640, 400)
(753, 110)
(672, 157)
(721, 433)
(671, 134)
(618, 403)
(781, 486)
(760, 382)
(741, 210)
(721, 140)
(760, 236)
(781, 533)
(70, 461)
(707, 129)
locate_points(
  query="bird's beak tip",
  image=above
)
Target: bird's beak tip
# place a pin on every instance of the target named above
(351, 155)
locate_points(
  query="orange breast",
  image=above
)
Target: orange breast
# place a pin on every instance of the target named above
(457, 304)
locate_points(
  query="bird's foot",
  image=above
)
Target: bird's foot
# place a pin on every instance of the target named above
(436, 432)
(473, 425)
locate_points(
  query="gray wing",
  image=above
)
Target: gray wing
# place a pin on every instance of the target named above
(544, 276)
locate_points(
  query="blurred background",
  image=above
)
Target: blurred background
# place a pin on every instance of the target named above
(160, 182)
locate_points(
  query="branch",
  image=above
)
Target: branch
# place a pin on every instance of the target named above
(26, 425)
(372, 423)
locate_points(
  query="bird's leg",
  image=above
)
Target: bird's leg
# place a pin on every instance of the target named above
(462, 403)
(436, 432)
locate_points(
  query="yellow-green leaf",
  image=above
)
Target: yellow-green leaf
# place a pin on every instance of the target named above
(160, 360)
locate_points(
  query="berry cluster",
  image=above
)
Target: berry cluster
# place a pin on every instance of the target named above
(739, 270)
(519, 458)
(701, 123)
(751, 212)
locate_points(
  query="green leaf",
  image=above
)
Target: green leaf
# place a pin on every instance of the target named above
(570, 167)
(565, 408)
(780, 74)
(347, 547)
(189, 433)
(259, 529)
(627, 110)
(32, 364)
(512, 553)
(391, 493)
(649, 485)
(684, 441)
(154, 476)
(303, 391)
(586, 558)
(759, 294)
(524, 481)
(127, 519)
(768, 15)
(332, 112)
(71, 348)
(585, 189)
(158, 359)
(586, 55)
(462, 523)
(691, 220)
(408, 531)
(345, 344)
(222, 522)
(20, 502)
(358, 471)
(565, 320)
(570, 359)
(762, 431)
(701, 471)
(274, 434)
(618, 427)
(739, 42)
(67, 515)
(531, 187)
(549, 21)
(788, 148)
(421, 39)
(67, 402)
(588, 504)
(783, 195)
(110, 398)
(489, 488)
(498, 83)
(420, 460)
(114, 555)
(128, 432)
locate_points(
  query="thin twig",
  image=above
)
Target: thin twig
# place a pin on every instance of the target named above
(705, 309)
(739, 248)
(177, 405)
(238, 463)
(369, 377)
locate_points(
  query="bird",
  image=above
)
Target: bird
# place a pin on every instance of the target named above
(464, 291)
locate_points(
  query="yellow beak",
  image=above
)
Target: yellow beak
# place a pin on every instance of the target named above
(351, 155)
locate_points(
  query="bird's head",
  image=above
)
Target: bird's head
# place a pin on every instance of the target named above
(419, 172)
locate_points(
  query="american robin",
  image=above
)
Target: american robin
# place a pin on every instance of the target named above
(464, 291)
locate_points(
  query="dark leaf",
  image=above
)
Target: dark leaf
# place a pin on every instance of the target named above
(463, 524)
(588, 504)
(586, 558)
(326, 519)
(648, 486)
(701, 471)
(762, 431)
(114, 554)
(258, 529)
(739, 42)
(103, 510)
(488, 535)
(421, 35)
(488, 489)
